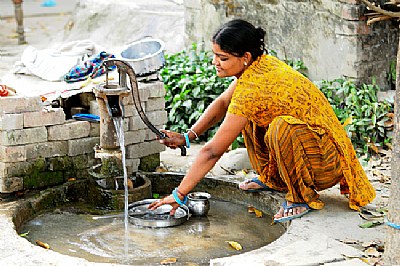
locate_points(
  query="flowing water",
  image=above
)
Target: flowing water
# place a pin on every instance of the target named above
(194, 242)
(119, 129)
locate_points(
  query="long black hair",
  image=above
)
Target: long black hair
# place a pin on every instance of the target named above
(239, 36)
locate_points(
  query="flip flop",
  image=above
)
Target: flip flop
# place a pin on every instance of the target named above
(257, 181)
(286, 209)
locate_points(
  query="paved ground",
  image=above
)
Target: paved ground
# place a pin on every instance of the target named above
(332, 232)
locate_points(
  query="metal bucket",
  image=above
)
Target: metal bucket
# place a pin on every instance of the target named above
(146, 56)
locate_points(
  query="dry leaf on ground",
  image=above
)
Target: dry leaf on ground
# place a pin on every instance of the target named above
(235, 245)
(168, 261)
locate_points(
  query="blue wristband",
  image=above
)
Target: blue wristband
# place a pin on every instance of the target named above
(186, 135)
(177, 199)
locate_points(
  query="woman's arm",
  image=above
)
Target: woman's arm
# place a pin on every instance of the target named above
(208, 155)
(212, 151)
(214, 113)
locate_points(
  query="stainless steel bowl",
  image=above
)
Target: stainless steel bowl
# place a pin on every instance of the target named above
(198, 203)
(146, 56)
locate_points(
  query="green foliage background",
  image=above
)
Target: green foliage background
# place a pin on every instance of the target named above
(191, 85)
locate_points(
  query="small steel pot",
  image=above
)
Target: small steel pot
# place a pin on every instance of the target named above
(198, 203)
(146, 56)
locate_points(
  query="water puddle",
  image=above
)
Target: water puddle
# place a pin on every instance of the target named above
(195, 241)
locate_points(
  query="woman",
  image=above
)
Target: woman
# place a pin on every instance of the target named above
(294, 140)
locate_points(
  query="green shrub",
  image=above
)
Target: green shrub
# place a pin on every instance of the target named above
(191, 85)
(360, 104)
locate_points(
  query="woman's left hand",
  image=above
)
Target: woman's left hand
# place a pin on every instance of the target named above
(167, 200)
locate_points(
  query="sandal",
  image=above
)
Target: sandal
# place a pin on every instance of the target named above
(287, 208)
(258, 182)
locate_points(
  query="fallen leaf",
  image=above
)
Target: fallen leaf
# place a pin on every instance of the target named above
(24, 234)
(43, 244)
(372, 252)
(250, 209)
(235, 245)
(371, 223)
(349, 241)
(168, 261)
(259, 214)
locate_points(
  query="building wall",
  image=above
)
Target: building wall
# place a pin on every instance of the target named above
(40, 148)
(330, 37)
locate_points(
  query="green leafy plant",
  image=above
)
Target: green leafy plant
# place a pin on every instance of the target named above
(191, 85)
(370, 121)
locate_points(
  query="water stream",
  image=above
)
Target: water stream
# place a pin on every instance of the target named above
(119, 129)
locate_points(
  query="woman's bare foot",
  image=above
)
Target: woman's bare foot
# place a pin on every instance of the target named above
(288, 211)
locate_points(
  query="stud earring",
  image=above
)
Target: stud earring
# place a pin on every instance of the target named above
(245, 63)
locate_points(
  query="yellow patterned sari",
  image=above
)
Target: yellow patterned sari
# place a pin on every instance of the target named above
(270, 91)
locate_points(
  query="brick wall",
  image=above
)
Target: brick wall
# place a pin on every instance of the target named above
(40, 148)
(330, 37)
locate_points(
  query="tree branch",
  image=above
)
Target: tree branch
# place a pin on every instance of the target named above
(380, 10)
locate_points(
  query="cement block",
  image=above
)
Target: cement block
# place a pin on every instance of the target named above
(11, 184)
(136, 123)
(17, 104)
(53, 116)
(156, 89)
(46, 149)
(143, 149)
(132, 165)
(157, 117)
(72, 130)
(94, 130)
(94, 108)
(144, 94)
(11, 121)
(133, 137)
(130, 109)
(155, 104)
(23, 136)
(12, 153)
(82, 146)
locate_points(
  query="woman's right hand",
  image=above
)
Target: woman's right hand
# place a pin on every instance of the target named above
(174, 139)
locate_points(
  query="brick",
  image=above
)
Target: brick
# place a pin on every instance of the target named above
(155, 104)
(16, 168)
(136, 123)
(352, 12)
(17, 104)
(11, 121)
(352, 28)
(71, 130)
(144, 94)
(143, 149)
(155, 88)
(46, 149)
(130, 109)
(11, 184)
(94, 130)
(94, 108)
(82, 146)
(52, 116)
(23, 136)
(157, 117)
(132, 137)
(12, 153)
(132, 165)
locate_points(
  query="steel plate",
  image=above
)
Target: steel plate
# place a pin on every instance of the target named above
(141, 216)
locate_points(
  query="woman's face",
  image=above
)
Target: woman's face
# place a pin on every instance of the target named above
(227, 65)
